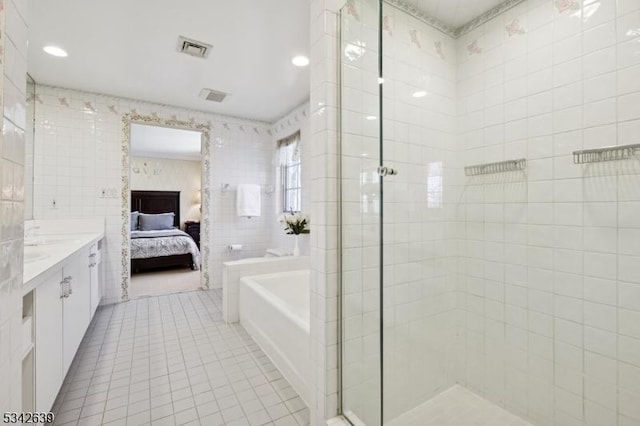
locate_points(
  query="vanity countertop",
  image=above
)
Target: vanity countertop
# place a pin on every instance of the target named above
(46, 258)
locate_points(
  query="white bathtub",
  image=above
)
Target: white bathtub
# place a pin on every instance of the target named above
(274, 309)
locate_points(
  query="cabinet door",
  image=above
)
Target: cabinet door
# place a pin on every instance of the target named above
(48, 342)
(76, 307)
(94, 265)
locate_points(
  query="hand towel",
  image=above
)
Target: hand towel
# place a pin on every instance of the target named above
(248, 200)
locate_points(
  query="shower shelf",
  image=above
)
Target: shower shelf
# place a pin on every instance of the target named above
(610, 153)
(499, 167)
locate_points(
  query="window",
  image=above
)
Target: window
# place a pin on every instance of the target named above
(289, 153)
(291, 187)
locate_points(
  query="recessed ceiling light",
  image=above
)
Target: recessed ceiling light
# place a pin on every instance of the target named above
(380, 80)
(55, 51)
(371, 117)
(300, 61)
(419, 94)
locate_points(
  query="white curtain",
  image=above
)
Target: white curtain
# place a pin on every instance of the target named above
(289, 150)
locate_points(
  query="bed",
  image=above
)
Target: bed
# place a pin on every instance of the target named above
(160, 248)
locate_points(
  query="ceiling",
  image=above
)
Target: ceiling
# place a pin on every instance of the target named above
(454, 13)
(164, 142)
(128, 48)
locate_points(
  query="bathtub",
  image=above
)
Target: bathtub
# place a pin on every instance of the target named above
(274, 309)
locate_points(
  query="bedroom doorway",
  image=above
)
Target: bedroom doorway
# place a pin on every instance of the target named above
(166, 189)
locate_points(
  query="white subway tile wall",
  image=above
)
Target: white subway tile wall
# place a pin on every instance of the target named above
(77, 155)
(13, 67)
(324, 208)
(549, 254)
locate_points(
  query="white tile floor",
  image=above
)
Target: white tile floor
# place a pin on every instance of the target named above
(171, 360)
(458, 406)
(161, 282)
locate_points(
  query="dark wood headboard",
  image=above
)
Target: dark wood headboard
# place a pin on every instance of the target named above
(154, 202)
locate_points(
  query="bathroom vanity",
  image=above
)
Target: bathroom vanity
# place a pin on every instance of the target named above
(61, 285)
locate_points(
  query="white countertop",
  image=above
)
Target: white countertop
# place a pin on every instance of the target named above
(55, 254)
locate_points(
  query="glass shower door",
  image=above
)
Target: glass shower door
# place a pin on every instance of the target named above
(398, 257)
(419, 294)
(361, 194)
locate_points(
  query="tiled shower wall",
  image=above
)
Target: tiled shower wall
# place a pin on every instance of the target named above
(324, 208)
(13, 66)
(78, 153)
(551, 293)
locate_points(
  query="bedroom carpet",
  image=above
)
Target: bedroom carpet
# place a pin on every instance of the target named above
(172, 360)
(155, 283)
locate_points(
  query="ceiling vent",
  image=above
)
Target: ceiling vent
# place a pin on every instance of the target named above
(193, 47)
(213, 95)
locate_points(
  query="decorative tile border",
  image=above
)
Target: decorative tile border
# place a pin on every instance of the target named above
(566, 5)
(413, 34)
(205, 222)
(514, 28)
(352, 10)
(427, 19)
(460, 31)
(473, 48)
(386, 26)
(439, 49)
(486, 17)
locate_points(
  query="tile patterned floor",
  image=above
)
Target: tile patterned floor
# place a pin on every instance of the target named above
(458, 406)
(171, 360)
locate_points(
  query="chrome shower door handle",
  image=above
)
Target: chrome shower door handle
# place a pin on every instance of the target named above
(386, 171)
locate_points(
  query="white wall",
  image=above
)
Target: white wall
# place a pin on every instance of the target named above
(172, 175)
(78, 152)
(324, 208)
(295, 120)
(13, 67)
(552, 260)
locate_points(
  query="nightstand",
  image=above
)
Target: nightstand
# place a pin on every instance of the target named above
(193, 229)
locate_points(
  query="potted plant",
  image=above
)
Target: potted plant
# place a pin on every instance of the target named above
(295, 224)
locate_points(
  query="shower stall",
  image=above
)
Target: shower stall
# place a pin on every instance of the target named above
(490, 212)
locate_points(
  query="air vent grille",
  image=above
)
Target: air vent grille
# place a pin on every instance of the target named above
(213, 95)
(193, 47)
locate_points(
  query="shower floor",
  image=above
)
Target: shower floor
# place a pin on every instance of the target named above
(458, 406)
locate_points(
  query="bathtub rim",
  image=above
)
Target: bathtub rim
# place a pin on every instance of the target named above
(273, 298)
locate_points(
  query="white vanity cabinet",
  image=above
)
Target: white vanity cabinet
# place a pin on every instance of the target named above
(76, 306)
(64, 305)
(48, 342)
